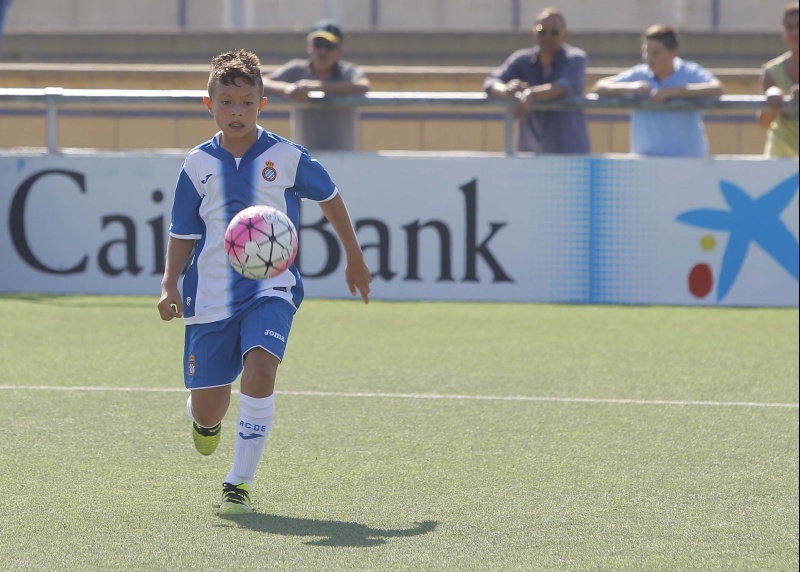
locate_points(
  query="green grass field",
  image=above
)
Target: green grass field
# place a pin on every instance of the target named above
(410, 436)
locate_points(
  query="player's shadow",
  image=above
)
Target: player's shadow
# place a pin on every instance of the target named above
(327, 532)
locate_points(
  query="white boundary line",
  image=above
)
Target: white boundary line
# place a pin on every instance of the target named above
(427, 396)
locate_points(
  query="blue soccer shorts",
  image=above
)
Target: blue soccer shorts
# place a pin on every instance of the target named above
(213, 353)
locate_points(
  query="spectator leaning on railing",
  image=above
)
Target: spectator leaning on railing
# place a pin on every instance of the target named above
(550, 70)
(328, 127)
(662, 77)
(779, 78)
(4, 4)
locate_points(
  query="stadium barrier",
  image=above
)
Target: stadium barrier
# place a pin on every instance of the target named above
(569, 229)
(55, 98)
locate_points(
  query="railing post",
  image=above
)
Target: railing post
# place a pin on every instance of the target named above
(508, 121)
(51, 95)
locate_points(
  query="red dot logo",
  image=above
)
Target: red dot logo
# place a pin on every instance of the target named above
(701, 280)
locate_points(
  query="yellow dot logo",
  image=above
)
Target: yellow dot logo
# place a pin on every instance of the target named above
(708, 243)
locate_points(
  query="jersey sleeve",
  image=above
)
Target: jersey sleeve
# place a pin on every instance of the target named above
(313, 182)
(186, 222)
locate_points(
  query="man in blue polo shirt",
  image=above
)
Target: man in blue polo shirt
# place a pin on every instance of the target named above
(662, 77)
(550, 70)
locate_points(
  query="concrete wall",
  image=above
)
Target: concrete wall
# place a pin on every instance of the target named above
(364, 15)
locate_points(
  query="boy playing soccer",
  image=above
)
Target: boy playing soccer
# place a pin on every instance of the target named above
(233, 324)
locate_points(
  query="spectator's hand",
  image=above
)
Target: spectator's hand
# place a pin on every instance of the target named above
(521, 107)
(514, 87)
(298, 91)
(663, 95)
(775, 98)
(641, 88)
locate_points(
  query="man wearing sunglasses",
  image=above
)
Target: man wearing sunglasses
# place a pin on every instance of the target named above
(321, 127)
(550, 70)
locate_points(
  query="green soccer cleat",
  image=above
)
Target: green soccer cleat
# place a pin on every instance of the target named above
(206, 439)
(235, 499)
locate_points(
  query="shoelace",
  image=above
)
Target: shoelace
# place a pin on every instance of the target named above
(232, 493)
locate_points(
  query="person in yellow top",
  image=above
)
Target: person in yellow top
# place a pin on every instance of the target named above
(778, 79)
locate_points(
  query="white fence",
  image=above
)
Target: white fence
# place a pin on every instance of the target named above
(54, 98)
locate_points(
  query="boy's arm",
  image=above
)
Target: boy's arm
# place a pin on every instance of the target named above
(713, 88)
(356, 271)
(178, 252)
(609, 87)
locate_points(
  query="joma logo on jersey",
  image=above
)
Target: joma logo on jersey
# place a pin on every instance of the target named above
(274, 335)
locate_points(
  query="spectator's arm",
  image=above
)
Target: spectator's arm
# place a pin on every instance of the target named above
(774, 101)
(609, 87)
(545, 92)
(356, 86)
(508, 90)
(713, 88)
(276, 87)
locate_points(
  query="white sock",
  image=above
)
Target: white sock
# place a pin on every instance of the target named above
(189, 409)
(191, 413)
(255, 421)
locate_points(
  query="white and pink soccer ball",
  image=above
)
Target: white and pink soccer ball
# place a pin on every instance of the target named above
(261, 242)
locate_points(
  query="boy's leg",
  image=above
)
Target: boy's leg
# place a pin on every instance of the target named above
(213, 404)
(264, 333)
(256, 413)
(211, 364)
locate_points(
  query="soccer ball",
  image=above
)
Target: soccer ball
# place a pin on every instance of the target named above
(261, 242)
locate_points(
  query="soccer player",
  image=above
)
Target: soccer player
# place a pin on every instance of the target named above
(234, 324)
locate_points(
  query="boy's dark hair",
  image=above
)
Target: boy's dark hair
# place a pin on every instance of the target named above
(230, 66)
(791, 9)
(664, 34)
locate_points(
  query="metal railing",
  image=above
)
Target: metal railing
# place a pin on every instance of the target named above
(55, 97)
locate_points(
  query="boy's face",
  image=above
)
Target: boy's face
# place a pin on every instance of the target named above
(658, 57)
(235, 108)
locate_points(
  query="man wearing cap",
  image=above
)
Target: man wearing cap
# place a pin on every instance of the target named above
(550, 70)
(321, 127)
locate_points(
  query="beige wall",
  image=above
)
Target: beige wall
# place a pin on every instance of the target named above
(408, 15)
(390, 133)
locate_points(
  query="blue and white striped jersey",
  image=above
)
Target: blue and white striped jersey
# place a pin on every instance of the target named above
(211, 189)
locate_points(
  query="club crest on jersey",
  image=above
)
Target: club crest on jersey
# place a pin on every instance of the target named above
(269, 173)
(191, 367)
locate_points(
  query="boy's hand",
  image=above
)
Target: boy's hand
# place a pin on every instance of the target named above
(170, 305)
(358, 278)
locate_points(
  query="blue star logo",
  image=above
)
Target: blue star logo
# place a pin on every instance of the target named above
(750, 220)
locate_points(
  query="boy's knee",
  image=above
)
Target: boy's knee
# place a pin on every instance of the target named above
(260, 366)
